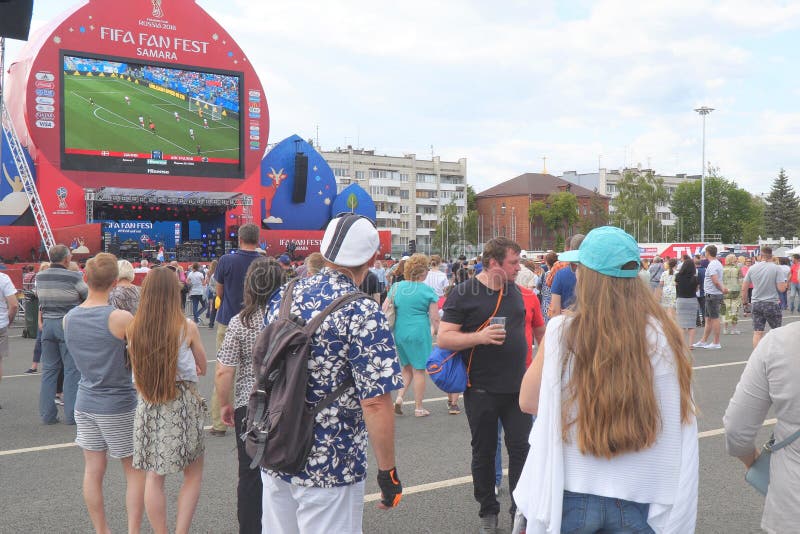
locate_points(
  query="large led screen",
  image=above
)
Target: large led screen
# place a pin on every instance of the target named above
(146, 118)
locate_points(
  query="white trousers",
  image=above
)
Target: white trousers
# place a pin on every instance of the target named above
(291, 509)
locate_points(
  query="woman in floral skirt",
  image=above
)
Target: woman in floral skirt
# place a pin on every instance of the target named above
(167, 356)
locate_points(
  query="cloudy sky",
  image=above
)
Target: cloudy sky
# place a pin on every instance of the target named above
(582, 83)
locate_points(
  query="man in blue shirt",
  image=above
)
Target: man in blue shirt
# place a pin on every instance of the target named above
(229, 278)
(562, 291)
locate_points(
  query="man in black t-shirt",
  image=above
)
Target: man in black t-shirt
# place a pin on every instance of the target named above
(371, 286)
(498, 364)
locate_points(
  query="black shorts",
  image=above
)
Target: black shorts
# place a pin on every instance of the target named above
(766, 312)
(712, 305)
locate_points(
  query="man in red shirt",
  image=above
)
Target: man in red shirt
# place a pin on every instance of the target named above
(794, 284)
(534, 321)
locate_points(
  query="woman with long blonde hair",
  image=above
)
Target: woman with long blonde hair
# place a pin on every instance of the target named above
(614, 445)
(166, 357)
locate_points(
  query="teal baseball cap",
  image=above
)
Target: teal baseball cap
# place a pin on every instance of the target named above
(606, 250)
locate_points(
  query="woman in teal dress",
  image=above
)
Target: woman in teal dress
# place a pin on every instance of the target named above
(416, 322)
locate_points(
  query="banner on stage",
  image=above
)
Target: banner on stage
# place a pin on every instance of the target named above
(275, 242)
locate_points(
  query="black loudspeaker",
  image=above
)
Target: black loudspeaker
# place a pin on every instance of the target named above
(300, 178)
(15, 18)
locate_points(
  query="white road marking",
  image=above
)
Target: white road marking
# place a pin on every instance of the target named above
(36, 449)
(460, 481)
(720, 431)
(372, 497)
(718, 365)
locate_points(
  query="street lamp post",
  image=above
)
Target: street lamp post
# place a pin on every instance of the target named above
(703, 111)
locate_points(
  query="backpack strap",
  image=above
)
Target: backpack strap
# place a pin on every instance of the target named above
(286, 301)
(312, 327)
(262, 429)
(333, 395)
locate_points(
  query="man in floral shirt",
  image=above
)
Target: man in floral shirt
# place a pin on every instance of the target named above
(327, 494)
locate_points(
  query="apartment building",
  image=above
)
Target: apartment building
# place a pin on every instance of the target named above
(606, 180)
(409, 193)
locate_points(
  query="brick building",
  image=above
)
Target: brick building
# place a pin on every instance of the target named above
(503, 209)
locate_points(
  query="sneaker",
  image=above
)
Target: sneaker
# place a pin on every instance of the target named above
(31, 371)
(488, 524)
(713, 346)
(700, 345)
(217, 433)
(453, 408)
(59, 401)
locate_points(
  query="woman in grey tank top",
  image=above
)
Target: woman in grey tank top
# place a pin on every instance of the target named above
(105, 405)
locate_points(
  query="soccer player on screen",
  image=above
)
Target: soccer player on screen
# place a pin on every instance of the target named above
(127, 100)
(141, 121)
(152, 127)
(205, 124)
(191, 133)
(177, 117)
(91, 101)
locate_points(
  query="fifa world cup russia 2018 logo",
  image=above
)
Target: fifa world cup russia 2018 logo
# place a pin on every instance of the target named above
(61, 193)
(157, 11)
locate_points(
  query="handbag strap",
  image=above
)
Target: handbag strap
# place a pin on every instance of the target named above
(481, 327)
(784, 443)
(392, 291)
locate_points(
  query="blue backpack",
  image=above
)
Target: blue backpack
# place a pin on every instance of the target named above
(447, 370)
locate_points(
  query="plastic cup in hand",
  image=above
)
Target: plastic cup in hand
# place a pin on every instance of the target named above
(498, 320)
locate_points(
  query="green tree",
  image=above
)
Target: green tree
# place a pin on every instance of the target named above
(753, 229)
(558, 213)
(782, 215)
(598, 213)
(636, 203)
(729, 210)
(471, 227)
(472, 204)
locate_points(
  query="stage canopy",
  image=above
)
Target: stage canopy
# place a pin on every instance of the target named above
(122, 195)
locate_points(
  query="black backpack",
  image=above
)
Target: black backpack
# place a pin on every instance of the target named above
(280, 424)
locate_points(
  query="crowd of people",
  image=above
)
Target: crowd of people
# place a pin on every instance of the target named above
(600, 425)
(699, 292)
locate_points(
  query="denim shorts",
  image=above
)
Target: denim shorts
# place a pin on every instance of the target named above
(587, 514)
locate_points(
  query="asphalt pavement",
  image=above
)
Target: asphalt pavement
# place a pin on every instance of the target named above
(41, 469)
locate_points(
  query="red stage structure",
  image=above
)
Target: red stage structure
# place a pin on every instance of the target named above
(125, 105)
